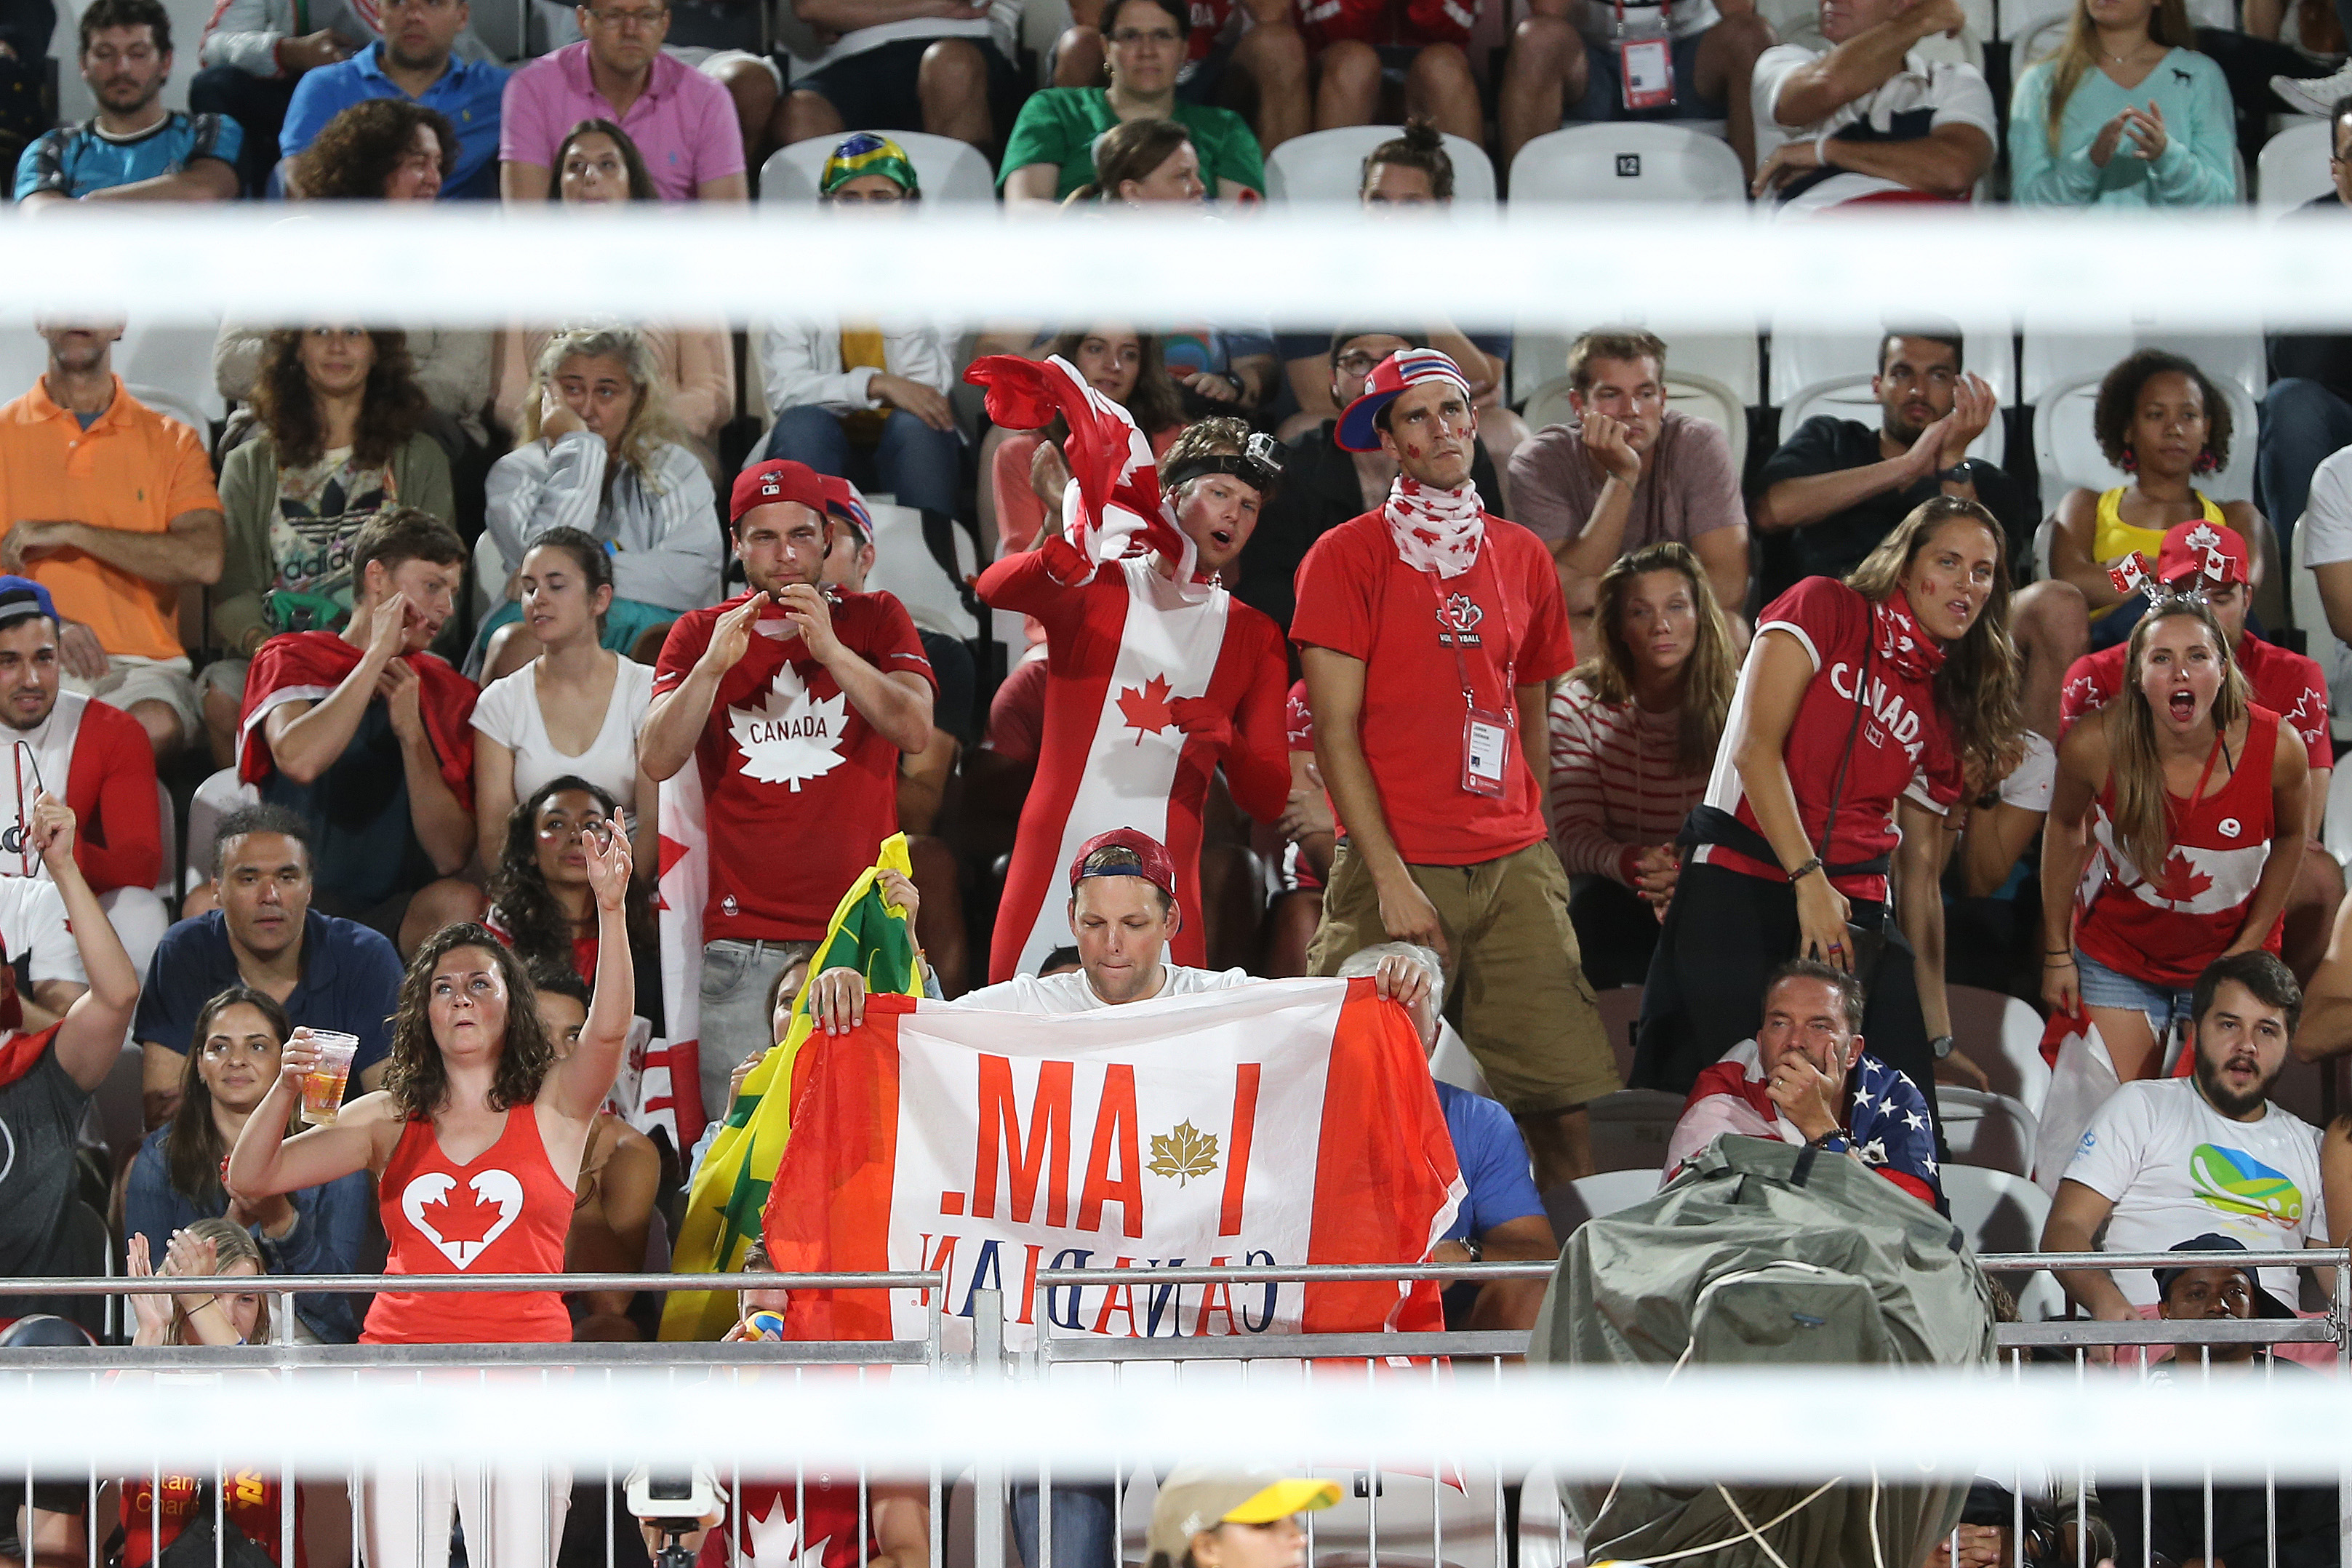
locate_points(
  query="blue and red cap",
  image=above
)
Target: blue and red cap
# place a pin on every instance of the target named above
(1388, 380)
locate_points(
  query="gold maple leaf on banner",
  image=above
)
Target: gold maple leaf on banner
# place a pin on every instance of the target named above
(1183, 1152)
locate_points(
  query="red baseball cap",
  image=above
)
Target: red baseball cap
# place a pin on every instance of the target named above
(2201, 549)
(1154, 866)
(779, 479)
(1388, 381)
(842, 501)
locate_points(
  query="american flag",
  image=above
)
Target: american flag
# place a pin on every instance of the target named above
(1886, 1118)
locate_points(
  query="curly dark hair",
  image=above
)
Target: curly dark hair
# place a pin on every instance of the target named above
(1153, 404)
(527, 906)
(392, 408)
(415, 1075)
(2118, 401)
(356, 156)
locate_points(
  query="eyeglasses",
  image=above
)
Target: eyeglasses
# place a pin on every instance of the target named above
(624, 21)
(1159, 37)
(1360, 363)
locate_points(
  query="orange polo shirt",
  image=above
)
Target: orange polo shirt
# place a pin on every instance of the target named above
(132, 469)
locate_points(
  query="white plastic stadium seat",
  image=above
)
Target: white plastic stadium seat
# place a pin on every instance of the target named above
(2001, 1212)
(2294, 167)
(1628, 161)
(2002, 1036)
(2309, 613)
(1630, 1127)
(1539, 355)
(1990, 1131)
(2069, 452)
(1621, 1010)
(1802, 356)
(1328, 166)
(948, 170)
(1589, 1197)
(2335, 828)
(176, 360)
(2049, 357)
(903, 565)
(2020, 18)
(1849, 397)
(1043, 22)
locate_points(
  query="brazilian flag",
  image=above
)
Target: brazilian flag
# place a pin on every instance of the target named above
(722, 1208)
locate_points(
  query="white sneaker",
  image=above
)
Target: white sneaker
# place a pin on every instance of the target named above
(2314, 95)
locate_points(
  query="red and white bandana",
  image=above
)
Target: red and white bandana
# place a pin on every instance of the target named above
(1900, 640)
(1435, 530)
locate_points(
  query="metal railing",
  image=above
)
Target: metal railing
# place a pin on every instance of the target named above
(978, 1351)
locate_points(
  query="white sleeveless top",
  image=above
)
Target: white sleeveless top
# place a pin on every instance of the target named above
(509, 713)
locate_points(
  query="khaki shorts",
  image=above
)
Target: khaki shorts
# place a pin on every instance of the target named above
(130, 679)
(1514, 980)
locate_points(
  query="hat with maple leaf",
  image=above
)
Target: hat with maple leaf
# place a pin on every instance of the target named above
(779, 479)
(1195, 1497)
(1390, 378)
(2199, 548)
(1151, 861)
(842, 501)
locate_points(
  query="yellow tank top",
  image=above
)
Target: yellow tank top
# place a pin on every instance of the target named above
(2112, 538)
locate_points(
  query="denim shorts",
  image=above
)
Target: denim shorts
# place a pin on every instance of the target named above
(2103, 987)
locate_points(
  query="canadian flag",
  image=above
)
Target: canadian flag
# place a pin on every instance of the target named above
(1281, 1123)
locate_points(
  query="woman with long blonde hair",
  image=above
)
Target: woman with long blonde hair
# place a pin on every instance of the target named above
(597, 450)
(2195, 817)
(1633, 732)
(2127, 113)
(1862, 708)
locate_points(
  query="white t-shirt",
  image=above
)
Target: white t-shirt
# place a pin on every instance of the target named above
(2327, 533)
(1924, 96)
(2029, 784)
(507, 712)
(1069, 993)
(2175, 1168)
(33, 920)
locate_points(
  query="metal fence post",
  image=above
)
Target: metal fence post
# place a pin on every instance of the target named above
(988, 1491)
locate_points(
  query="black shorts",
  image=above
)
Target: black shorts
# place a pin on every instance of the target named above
(874, 90)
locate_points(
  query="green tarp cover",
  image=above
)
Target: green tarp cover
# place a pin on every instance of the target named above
(1763, 1254)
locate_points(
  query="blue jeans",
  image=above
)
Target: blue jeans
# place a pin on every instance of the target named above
(1086, 1524)
(916, 465)
(2302, 423)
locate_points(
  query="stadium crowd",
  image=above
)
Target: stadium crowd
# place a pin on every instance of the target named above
(355, 714)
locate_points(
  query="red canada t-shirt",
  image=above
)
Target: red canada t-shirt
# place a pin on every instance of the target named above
(1356, 596)
(1901, 744)
(798, 790)
(2282, 681)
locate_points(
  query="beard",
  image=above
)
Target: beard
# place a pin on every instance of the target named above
(2222, 1098)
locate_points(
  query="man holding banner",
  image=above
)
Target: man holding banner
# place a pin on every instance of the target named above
(1122, 911)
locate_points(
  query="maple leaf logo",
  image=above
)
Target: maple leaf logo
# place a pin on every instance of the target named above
(1146, 710)
(1183, 1152)
(2178, 881)
(462, 1218)
(792, 735)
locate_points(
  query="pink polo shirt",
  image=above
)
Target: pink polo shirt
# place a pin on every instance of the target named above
(684, 122)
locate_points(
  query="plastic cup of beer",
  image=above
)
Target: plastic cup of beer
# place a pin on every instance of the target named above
(322, 1086)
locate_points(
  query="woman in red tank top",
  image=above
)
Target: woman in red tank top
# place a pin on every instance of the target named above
(476, 1141)
(2190, 817)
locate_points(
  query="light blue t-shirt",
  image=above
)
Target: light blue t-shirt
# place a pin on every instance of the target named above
(75, 159)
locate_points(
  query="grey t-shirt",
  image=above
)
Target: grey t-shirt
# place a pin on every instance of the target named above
(39, 1114)
(1691, 488)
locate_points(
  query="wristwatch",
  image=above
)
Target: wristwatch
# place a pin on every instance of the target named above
(1474, 1247)
(1942, 1046)
(1960, 473)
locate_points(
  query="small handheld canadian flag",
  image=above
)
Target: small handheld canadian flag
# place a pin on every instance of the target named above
(2131, 576)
